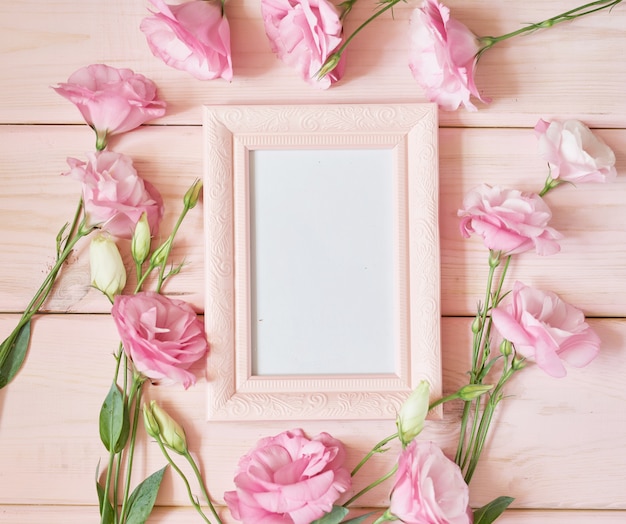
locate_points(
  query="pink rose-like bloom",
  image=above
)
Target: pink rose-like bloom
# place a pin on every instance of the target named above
(429, 487)
(289, 479)
(162, 336)
(508, 220)
(193, 37)
(303, 34)
(113, 193)
(544, 328)
(112, 100)
(443, 57)
(574, 153)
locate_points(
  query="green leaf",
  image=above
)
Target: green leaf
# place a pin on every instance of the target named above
(491, 511)
(143, 497)
(335, 516)
(108, 517)
(15, 348)
(114, 421)
(105, 506)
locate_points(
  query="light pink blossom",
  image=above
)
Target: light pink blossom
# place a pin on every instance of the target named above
(508, 220)
(429, 487)
(193, 36)
(443, 56)
(289, 479)
(574, 153)
(544, 328)
(162, 336)
(303, 34)
(112, 100)
(113, 193)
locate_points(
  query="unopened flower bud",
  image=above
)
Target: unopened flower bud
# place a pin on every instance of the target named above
(140, 245)
(506, 348)
(159, 257)
(170, 432)
(329, 65)
(518, 363)
(477, 324)
(150, 423)
(410, 419)
(472, 391)
(108, 273)
(193, 193)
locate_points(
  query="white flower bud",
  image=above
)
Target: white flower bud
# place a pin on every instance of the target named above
(108, 273)
(410, 420)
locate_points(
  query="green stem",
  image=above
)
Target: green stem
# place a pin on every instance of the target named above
(586, 9)
(485, 422)
(374, 450)
(44, 290)
(480, 355)
(192, 499)
(332, 61)
(371, 486)
(136, 392)
(196, 471)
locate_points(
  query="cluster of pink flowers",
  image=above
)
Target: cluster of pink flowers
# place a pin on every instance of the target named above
(542, 327)
(195, 36)
(161, 336)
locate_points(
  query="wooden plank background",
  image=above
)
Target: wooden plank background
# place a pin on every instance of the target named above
(558, 445)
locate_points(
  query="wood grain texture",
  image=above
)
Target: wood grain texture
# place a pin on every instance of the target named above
(558, 445)
(552, 439)
(551, 73)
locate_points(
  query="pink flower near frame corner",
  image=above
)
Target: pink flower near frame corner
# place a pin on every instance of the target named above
(162, 336)
(508, 220)
(546, 330)
(429, 487)
(111, 100)
(289, 478)
(113, 193)
(303, 34)
(443, 56)
(574, 153)
(193, 36)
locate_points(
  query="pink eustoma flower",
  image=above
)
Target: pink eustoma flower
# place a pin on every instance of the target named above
(111, 100)
(429, 487)
(193, 37)
(545, 329)
(114, 195)
(443, 55)
(303, 34)
(289, 478)
(574, 153)
(162, 336)
(508, 220)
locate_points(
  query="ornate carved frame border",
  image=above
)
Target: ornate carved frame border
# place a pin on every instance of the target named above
(231, 132)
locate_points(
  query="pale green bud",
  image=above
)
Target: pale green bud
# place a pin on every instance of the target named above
(193, 193)
(140, 245)
(506, 348)
(108, 273)
(329, 65)
(170, 432)
(477, 324)
(150, 423)
(472, 391)
(518, 363)
(410, 419)
(159, 257)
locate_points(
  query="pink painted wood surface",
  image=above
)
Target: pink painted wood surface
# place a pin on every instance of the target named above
(558, 445)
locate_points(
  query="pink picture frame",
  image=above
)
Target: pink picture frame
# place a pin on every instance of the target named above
(231, 133)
